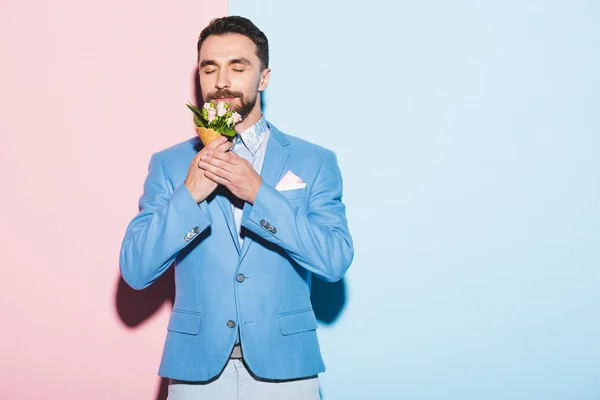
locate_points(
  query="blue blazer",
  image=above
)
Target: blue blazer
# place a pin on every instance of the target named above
(261, 287)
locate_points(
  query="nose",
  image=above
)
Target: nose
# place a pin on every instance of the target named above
(222, 80)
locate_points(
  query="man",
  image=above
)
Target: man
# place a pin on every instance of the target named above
(246, 225)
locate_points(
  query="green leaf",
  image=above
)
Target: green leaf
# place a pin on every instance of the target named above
(195, 110)
(229, 132)
(199, 122)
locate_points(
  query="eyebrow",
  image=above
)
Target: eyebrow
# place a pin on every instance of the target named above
(242, 60)
(206, 63)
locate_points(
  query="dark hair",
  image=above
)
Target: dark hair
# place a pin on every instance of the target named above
(243, 26)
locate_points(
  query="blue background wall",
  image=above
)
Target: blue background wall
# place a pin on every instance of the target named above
(468, 136)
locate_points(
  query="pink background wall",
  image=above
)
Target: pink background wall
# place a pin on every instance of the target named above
(88, 90)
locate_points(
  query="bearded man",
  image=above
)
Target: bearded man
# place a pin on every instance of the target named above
(246, 223)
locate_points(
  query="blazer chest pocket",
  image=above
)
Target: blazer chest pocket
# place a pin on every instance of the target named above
(297, 321)
(185, 322)
(294, 194)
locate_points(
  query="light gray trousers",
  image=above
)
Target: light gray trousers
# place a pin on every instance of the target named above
(236, 383)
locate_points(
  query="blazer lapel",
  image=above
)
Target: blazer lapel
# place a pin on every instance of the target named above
(275, 158)
(222, 199)
(225, 204)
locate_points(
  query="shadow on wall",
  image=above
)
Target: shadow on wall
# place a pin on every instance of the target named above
(135, 307)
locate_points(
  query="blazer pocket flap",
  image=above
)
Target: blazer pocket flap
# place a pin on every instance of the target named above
(297, 322)
(294, 193)
(184, 322)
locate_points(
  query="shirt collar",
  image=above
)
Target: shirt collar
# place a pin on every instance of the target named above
(255, 135)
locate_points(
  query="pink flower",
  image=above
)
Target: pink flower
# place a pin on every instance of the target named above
(236, 117)
(207, 106)
(221, 110)
(230, 121)
(212, 114)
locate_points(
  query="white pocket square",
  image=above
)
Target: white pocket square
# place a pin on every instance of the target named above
(292, 187)
(290, 181)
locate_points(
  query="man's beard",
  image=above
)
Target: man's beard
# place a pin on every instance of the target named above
(244, 109)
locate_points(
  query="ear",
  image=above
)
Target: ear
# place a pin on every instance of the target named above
(264, 79)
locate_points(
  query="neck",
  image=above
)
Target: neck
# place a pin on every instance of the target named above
(252, 118)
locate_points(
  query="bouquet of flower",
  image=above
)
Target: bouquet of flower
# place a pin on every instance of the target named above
(214, 121)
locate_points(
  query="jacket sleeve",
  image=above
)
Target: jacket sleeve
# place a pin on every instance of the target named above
(317, 237)
(168, 221)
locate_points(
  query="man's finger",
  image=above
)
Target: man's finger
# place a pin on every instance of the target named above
(216, 143)
(225, 146)
(215, 170)
(224, 165)
(228, 157)
(216, 178)
(220, 147)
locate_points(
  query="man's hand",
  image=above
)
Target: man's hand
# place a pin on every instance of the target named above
(233, 172)
(199, 186)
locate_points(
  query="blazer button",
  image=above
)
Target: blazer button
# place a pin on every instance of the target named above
(196, 230)
(263, 223)
(240, 278)
(273, 230)
(230, 324)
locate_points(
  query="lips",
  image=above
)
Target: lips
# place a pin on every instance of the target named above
(225, 99)
(225, 96)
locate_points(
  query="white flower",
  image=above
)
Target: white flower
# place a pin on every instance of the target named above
(212, 114)
(221, 110)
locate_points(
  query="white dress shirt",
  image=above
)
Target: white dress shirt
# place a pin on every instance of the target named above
(251, 145)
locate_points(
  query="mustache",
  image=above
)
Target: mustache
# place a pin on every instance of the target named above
(223, 94)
